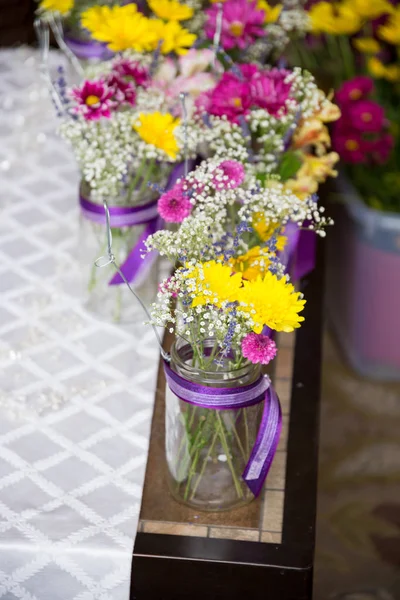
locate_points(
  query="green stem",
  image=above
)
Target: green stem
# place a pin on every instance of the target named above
(235, 433)
(228, 456)
(146, 176)
(203, 468)
(135, 180)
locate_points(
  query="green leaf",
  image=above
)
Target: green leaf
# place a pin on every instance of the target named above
(289, 165)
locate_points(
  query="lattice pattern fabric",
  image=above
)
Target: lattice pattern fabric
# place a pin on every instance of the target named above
(76, 394)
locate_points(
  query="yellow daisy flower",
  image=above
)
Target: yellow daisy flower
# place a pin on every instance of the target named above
(253, 263)
(157, 129)
(61, 6)
(213, 283)
(271, 301)
(171, 10)
(391, 31)
(266, 230)
(173, 36)
(121, 27)
(367, 45)
(380, 71)
(334, 19)
(272, 13)
(370, 9)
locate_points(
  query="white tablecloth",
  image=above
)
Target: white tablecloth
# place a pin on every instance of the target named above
(76, 393)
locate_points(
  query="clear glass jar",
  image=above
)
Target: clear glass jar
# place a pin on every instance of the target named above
(114, 302)
(207, 450)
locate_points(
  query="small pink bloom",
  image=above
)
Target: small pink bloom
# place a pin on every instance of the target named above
(355, 89)
(132, 71)
(381, 148)
(366, 115)
(242, 23)
(230, 97)
(258, 348)
(270, 90)
(124, 91)
(174, 206)
(230, 174)
(94, 99)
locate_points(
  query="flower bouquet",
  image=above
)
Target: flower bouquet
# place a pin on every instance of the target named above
(227, 296)
(129, 147)
(360, 41)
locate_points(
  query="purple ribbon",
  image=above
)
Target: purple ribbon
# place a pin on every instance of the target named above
(298, 256)
(269, 432)
(134, 268)
(85, 50)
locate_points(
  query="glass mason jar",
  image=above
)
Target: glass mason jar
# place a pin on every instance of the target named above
(207, 450)
(114, 302)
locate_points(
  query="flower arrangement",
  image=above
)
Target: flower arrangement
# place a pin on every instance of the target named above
(281, 115)
(358, 43)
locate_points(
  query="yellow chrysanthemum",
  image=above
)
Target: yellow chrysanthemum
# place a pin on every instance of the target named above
(96, 19)
(213, 283)
(271, 301)
(173, 36)
(60, 6)
(272, 13)
(171, 10)
(380, 71)
(367, 45)
(158, 129)
(391, 31)
(371, 9)
(120, 27)
(334, 19)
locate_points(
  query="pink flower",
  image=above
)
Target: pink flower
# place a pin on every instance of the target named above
(175, 205)
(242, 23)
(94, 99)
(195, 61)
(350, 145)
(354, 89)
(381, 148)
(124, 91)
(270, 90)
(132, 71)
(230, 175)
(230, 97)
(366, 115)
(258, 348)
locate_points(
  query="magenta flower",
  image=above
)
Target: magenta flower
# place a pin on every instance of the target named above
(229, 175)
(350, 145)
(94, 99)
(230, 97)
(271, 90)
(132, 72)
(175, 205)
(381, 148)
(354, 89)
(258, 348)
(242, 23)
(124, 91)
(366, 115)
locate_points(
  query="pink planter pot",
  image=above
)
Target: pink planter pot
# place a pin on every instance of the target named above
(363, 284)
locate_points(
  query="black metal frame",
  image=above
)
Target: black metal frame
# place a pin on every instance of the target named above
(170, 567)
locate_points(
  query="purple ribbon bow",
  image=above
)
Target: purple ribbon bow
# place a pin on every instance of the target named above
(269, 432)
(134, 268)
(85, 50)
